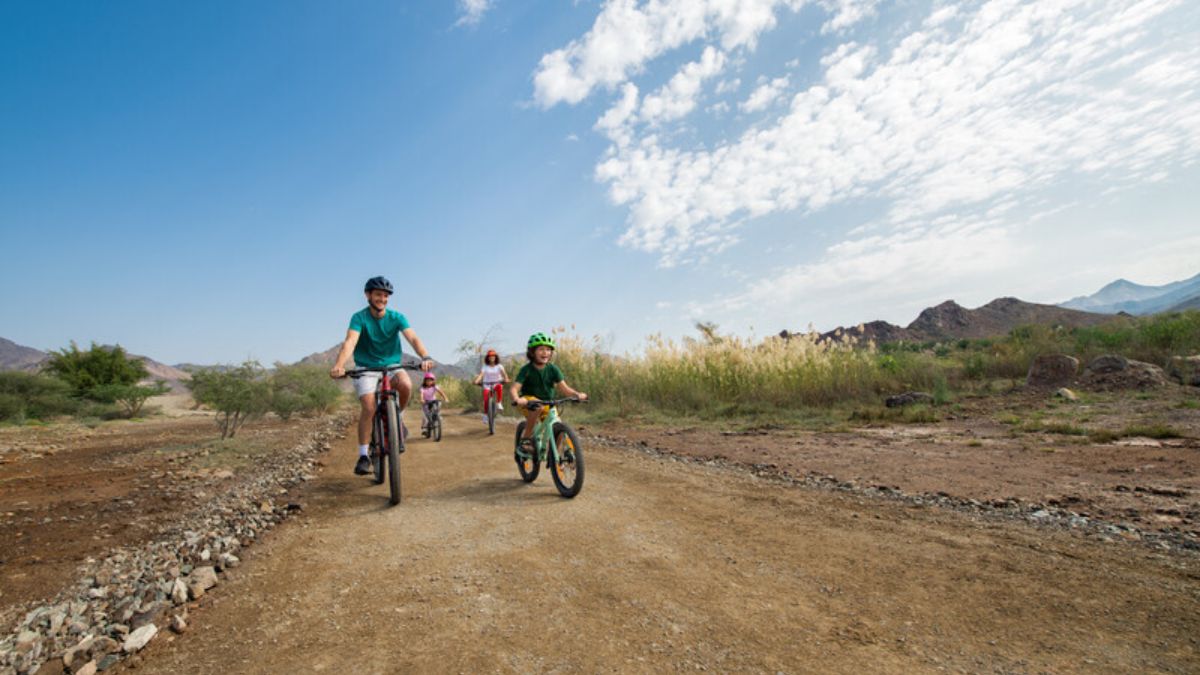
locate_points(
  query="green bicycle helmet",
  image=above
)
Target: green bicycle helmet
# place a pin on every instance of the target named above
(539, 339)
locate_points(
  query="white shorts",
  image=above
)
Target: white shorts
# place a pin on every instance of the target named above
(367, 382)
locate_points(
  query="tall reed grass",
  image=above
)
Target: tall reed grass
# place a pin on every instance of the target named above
(732, 374)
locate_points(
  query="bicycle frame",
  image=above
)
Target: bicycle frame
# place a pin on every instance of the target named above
(543, 435)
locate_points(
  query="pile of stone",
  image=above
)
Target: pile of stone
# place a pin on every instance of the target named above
(122, 602)
(1110, 372)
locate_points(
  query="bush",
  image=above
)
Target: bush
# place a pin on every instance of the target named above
(27, 396)
(302, 389)
(238, 394)
(97, 367)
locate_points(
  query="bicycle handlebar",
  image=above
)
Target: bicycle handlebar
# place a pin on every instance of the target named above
(359, 372)
(535, 404)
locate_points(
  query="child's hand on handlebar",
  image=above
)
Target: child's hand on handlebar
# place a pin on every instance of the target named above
(337, 373)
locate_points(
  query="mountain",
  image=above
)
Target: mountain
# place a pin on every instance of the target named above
(1190, 303)
(1125, 296)
(951, 321)
(19, 357)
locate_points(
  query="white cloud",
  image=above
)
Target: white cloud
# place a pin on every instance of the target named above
(764, 95)
(470, 12)
(677, 97)
(626, 36)
(970, 108)
(847, 13)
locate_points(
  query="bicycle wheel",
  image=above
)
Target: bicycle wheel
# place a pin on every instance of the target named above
(492, 414)
(528, 466)
(377, 462)
(393, 449)
(568, 471)
(437, 427)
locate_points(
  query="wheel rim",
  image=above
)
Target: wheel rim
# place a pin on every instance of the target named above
(566, 464)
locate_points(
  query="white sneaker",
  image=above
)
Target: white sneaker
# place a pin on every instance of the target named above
(484, 419)
(499, 406)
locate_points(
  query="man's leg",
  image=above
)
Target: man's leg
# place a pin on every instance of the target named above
(366, 418)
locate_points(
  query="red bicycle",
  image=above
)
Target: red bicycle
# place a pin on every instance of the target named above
(387, 437)
(491, 399)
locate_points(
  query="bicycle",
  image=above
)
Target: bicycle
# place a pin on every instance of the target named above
(492, 395)
(435, 421)
(387, 440)
(555, 443)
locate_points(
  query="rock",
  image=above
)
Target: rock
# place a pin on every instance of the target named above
(88, 668)
(1116, 372)
(201, 579)
(76, 656)
(1052, 370)
(108, 662)
(1185, 370)
(1066, 394)
(178, 624)
(104, 645)
(51, 667)
(229, 560)
(1108, 363)
(139, 638)
(179, 591)
(909, 398)
(153, 613)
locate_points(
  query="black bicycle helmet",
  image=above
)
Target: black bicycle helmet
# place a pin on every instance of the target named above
(378, 284)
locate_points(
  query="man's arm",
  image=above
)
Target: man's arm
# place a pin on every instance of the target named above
(338, 369)
(419, 348)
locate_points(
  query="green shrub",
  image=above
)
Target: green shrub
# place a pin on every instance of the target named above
(301, 389)
(238, 394)
(26, 396)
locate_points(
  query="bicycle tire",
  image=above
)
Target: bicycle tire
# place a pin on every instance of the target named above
(377, 462)
(492, 414)
(393, 450)
(437, 428)
(528, 467)
(568, 473)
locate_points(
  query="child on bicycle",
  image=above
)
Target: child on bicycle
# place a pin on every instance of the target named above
(430, 392)
(539, 379)
(492, 377)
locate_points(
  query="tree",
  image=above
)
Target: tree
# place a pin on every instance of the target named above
(97, 367)
(302, 389)
(237, 394)
(106, 375)
(131, 397)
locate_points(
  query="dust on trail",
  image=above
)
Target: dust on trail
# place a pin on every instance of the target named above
(660, 565)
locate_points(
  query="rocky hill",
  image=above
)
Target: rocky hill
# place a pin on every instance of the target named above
(951, 321)
(1125, 296)
(19, 357)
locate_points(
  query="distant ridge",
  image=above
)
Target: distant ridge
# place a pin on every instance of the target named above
(951, 321)
(1123, 295)
(19, 357)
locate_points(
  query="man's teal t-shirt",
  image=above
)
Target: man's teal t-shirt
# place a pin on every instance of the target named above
(378, 339)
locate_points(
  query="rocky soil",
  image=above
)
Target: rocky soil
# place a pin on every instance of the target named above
(183, 511)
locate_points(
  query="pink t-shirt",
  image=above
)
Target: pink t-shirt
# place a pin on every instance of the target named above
(429, 394)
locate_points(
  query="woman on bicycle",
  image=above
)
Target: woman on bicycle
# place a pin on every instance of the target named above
(492, 377)
(538, 379)
(430, 392)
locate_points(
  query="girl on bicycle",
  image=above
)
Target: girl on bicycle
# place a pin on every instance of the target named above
(430, 392)
(492, 377)
(538, 379)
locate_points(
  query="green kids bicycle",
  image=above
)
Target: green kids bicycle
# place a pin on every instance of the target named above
(555, 443)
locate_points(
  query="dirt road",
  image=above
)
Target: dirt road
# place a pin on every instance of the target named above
(659, 565)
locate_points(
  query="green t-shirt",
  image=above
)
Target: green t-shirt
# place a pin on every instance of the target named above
(539, 383)
(378, 339)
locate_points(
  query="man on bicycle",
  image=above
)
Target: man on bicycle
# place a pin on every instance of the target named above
(374, 339)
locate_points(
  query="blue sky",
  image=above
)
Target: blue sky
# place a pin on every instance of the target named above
(211, 182)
